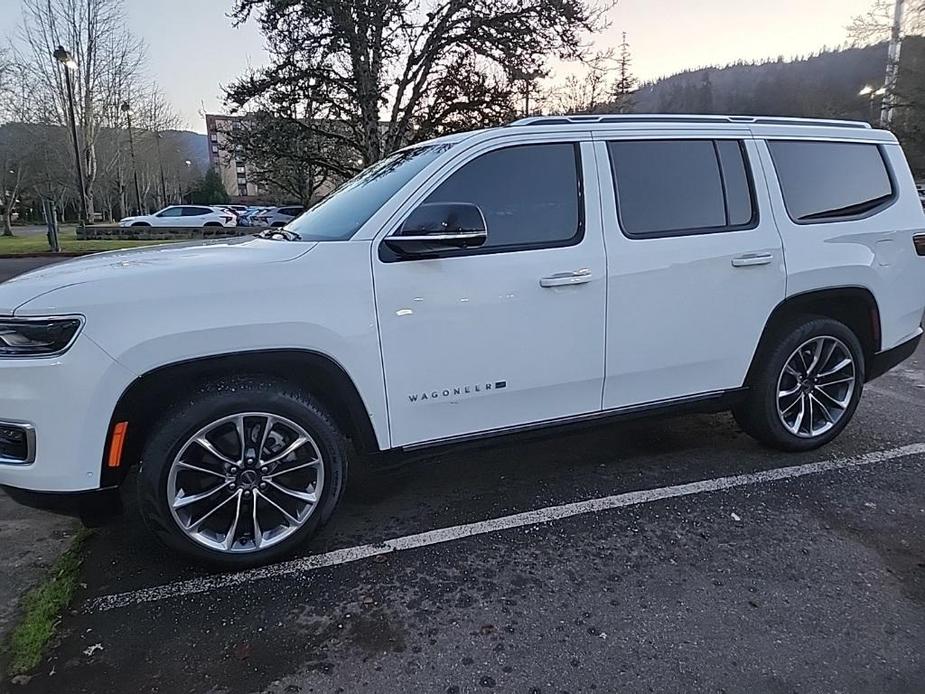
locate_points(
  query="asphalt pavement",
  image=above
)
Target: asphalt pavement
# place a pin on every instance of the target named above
(10, 267)
(668, 555)
(809, 580)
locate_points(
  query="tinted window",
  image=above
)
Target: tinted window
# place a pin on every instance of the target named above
(344, 211)
(667, 187)
(830, 180)
(171, 212)
(529, 194)
(739, 207)
(196, 211)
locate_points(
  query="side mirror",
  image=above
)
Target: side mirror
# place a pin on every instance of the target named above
(437, 226)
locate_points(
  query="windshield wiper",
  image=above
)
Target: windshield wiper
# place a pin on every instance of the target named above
(279, 234)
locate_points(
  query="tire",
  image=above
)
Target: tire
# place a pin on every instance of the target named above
(278, 224)
(292, 410)
(776, 395)
(211, 224)
(141, 224)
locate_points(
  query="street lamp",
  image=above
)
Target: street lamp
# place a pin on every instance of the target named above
(528, 77)
(127, 110)
(68, 62)
(160, 165)
(872, 93)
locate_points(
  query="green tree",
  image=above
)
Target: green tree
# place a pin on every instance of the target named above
(210, 190)
(625, 84)
(391, 72)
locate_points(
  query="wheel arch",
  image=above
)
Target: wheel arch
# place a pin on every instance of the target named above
(149, 394)
(855, 306)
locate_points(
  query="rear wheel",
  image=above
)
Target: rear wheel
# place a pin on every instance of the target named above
(806, 384)
(242, 473)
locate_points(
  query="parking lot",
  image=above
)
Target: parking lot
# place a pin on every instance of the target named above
(662, 555)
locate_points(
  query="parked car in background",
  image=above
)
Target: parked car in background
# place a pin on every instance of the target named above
(246, 218)
(183, 216)
(278, 216)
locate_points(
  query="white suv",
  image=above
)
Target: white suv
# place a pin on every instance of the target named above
(553, 271)
(183, 216)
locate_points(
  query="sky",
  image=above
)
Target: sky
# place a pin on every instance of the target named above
(193, 48)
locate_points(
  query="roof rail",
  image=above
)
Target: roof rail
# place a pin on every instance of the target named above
(605, 118)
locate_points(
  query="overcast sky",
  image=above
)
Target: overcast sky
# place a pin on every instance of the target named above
(193, 48)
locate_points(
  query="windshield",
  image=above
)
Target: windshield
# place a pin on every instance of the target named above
(343, 212)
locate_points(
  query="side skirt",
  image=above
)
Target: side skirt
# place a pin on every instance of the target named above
(704, 403)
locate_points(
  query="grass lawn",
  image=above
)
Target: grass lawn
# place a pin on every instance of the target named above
(37, 243)
(42, 609)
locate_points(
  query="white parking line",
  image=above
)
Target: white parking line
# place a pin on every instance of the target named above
(493, 525)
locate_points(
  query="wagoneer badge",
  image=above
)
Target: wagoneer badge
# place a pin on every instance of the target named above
(457, 390)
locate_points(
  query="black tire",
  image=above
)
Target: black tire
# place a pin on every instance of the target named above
(758, 413)
(211, 224)
(140, 224)
(209, 403)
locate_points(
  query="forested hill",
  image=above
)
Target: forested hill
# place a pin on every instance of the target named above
(824, 85)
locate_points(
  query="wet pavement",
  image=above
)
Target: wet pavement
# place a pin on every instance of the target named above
(802, 583)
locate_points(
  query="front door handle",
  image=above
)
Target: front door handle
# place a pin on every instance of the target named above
(563, 279)
(752, 259)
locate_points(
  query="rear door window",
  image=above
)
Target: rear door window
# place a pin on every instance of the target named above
(831, 181)
(681, 187)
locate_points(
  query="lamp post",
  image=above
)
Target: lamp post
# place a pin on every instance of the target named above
(872, 93)
(528, 77)
(127, 110)
(68, 62)
(160, 164)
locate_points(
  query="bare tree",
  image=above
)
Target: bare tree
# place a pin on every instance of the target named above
(108, 59)
(17, 143)
(606, 83)
(874, 25)
(586, 92)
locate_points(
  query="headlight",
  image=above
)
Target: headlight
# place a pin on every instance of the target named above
(37, 337)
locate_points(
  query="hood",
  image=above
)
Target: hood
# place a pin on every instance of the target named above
(228, 254)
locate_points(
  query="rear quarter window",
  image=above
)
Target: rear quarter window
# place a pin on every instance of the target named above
(831, 181)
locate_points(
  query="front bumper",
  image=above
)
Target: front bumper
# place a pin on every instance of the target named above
(883, 361)
(69, 400)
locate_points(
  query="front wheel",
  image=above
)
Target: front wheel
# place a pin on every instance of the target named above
(806, 384)
(242, 472)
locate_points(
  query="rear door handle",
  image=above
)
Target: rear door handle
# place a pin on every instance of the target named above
(562, 279)
(752, 259)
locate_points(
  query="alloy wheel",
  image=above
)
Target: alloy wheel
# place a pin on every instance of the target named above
(815, 387)
(245, 482)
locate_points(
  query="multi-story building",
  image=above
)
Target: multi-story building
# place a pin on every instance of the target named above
(223, 159)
